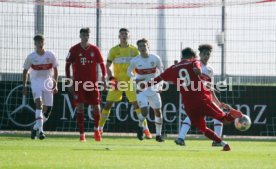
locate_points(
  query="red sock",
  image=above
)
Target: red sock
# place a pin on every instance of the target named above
(212, 135)
(96, 116)
(80, 122)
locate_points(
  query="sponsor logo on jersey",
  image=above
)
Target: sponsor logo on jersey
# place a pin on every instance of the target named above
(83, 60)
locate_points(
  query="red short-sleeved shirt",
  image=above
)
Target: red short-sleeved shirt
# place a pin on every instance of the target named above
(189, 84)
(84, 62)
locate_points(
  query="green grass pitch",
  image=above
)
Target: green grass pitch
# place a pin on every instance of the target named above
(19, 151)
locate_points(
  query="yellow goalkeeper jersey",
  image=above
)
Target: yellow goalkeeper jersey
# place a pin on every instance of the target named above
(120, 57)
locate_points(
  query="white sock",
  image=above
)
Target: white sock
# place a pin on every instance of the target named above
(141, 120)
(218, 127)
(35, 126)
(223, 143)
(158, 125)
(101, 128)
(39, 120)
(186, 125)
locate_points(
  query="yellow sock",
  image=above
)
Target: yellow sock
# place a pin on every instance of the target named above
(145, 124)
(104, 116)
(138, 111)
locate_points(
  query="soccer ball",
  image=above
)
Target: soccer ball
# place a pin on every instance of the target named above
(243, 123)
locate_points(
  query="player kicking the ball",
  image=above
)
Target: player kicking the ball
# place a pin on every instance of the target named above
(195, 97)
(208, 74)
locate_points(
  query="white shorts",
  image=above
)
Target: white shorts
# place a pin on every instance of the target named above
(42, 91)
(154, 100)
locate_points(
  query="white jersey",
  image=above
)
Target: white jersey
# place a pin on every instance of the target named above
(207, 70)
(40, 66)
(146, 68)
(207, 76)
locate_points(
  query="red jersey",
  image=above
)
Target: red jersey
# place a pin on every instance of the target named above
(189, 84)
(84, 62)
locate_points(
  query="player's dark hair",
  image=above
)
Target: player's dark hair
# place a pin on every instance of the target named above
(84, 30)
(205, 47)
(39, 37)
(188, 53)
(123, 30)
(142, 40)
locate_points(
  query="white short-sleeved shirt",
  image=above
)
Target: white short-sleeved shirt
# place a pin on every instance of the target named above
(207, 70)
(40, 66)
(146, 68)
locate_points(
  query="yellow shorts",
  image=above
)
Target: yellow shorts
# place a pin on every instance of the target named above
(117, 95)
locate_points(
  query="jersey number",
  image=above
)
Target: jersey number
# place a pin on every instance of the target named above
(185, 77)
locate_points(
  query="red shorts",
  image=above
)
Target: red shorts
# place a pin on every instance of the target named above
(87, 97)
(198, 112)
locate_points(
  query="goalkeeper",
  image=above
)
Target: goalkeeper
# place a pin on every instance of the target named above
(120, 55)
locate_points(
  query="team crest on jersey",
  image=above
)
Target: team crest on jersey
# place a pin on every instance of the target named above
(152, 64)
(92, 54)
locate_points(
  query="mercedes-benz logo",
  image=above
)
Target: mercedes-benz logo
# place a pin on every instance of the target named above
(19, 111)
